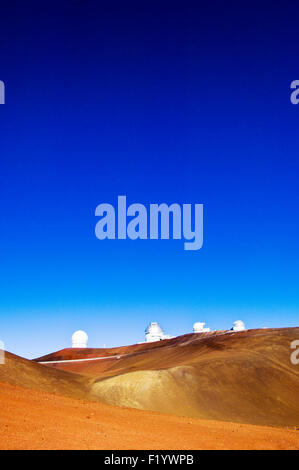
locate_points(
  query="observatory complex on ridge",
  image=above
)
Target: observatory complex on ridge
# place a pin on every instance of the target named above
(153, 333)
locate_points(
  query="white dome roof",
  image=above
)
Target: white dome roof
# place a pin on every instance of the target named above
(239, 325)
(154, 329)
(79, 339)
(198, 326)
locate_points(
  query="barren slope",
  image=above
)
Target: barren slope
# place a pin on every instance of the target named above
(20, 371)
(32, 419)
(241, 377)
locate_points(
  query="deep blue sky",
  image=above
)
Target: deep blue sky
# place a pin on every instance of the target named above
(163, 102)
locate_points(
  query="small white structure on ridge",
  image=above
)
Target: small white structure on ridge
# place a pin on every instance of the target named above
(198, 327)
(154, 332)
(79, 339)
(238, 326)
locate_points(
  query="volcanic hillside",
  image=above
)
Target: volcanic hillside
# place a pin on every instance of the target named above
(32, 419)
(243, 377)
(22, 372)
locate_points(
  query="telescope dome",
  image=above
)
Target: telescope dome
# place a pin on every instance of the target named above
(238, 325)
(154, 332)
(79, 339)
(154, 329)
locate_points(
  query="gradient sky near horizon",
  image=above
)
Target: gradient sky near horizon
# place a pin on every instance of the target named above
(162, 102)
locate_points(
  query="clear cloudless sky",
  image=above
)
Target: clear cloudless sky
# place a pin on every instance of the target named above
(185, 102)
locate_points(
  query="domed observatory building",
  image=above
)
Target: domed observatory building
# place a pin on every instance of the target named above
(198, 327)
(79, 339)
(238, 326)
(154, 332)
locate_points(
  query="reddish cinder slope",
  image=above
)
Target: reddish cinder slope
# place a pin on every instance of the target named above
(85, 353)
(32, 419)
(243, 377)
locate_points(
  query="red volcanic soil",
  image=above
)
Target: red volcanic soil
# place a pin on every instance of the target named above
(215, 391)
(34, 419)
(85, 353)
(243, 377)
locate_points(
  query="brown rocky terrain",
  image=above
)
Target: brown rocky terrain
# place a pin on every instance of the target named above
(34, 419)
(242, 377)
(220, 390)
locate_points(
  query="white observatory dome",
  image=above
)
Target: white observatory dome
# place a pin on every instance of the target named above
(198, 327)
(79, 339)
(153, 332)
(154, 329)
(238, 326)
